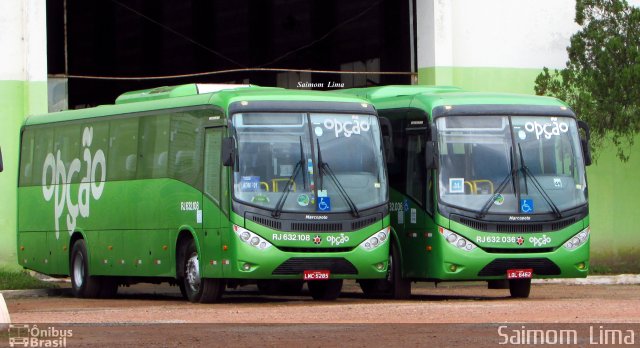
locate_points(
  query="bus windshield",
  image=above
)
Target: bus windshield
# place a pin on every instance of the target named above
(510, 164)
(279, 155)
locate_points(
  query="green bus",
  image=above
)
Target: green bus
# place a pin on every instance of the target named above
(483, 187)
(206, 187)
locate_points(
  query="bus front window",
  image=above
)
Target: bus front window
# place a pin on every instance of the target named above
(278, 156)
(510, 165)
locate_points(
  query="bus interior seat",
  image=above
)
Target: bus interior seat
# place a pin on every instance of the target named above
(130, 163)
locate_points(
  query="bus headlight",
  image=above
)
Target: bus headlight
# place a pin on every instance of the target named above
(579, 239)
(376, 240)
(251, 238)
(456, 240)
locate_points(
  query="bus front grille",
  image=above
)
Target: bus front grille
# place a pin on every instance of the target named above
(540, 266)
(297, 265)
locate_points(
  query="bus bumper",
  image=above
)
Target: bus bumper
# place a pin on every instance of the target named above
(242, 261)
(478, 264)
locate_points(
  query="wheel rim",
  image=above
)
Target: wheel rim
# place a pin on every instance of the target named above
(192, 273)
(78, 270)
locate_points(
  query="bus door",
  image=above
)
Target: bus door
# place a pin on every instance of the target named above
(417, 228)
(213, 205)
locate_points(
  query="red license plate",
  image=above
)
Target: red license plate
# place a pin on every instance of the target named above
(317, 275)
(526, 273)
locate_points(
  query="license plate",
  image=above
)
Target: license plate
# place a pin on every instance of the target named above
(317, 275)
(526, 273)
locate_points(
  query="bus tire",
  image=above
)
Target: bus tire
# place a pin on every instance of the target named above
(198, 289)
(83, 284)
(401, 288)
(325, 290)
(520, 288)
(108, 287)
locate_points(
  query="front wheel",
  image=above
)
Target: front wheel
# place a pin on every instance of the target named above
(325, 290)
(197, 289)
(83, 284)
(520, 288)
(394, 285)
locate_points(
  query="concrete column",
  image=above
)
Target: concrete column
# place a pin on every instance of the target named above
(23, 92)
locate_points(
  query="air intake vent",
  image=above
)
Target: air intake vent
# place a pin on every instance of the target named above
(514, 227)
(528, 228)
(315, 227)
(276, 225)
(356, 225)
(481, 226)
(562, 224)
(298, 265)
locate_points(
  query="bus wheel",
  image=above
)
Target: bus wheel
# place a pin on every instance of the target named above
(520, 288)
(325, 290)
(82, 283)
(109, 287)
(400, 287)
(196, 288)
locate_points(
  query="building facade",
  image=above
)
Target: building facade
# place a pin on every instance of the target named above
(490, 45)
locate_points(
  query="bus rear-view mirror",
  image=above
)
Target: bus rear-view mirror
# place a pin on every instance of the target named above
(228, 152)
(430, 155)
(584, 142)
(387, 139)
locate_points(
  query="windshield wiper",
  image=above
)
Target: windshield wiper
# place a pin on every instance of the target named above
(527, 172)
(487, 205)
(287, 187)
(324, 167)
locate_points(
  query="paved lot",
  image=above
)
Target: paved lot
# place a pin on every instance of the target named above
(451, 314)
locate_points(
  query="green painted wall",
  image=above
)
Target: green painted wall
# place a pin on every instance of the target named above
(512, 80)
(17, 100)
(613, 185)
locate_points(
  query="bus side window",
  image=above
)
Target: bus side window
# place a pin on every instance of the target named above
(153, 147)
(416, 178)
(26, 160)
(185, 144)
(123, 149)
(67, 142)
(212, 163)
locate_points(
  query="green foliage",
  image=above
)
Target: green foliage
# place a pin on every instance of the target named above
(601, 80)
(18, 280)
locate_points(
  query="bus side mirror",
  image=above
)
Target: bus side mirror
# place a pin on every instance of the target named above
(387, 139)
(584, 142)
(430, 155)
(228, 152)
(1, 166)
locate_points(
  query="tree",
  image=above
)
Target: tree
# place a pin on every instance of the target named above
(601, 80)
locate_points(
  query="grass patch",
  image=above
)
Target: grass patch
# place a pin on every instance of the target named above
(620, 261)
(18, 280)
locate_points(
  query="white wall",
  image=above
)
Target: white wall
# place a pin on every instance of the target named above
(23, 38)
(494, 33)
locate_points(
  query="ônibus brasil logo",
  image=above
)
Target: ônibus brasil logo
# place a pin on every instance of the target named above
(56, 179)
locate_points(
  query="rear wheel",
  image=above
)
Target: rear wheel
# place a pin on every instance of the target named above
(197, 289)
(83, 284)
(325, 290)
(520, 288)
(108, 287)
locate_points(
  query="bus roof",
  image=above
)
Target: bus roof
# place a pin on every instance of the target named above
(431, 97)
(191, 95)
